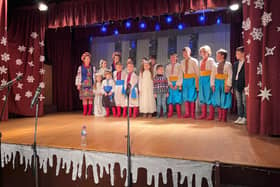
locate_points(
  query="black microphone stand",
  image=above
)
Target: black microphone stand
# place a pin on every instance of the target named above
(34, 146)
(129, 174)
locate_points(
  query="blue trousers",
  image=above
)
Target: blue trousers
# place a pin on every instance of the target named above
(175, 96)
(220, 98)
(161, 102)
(205, 92)
(189, 90)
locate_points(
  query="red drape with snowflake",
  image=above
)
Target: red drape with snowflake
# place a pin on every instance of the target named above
(261, 27)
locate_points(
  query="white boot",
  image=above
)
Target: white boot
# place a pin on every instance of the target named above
(242, 121)
(238, 120)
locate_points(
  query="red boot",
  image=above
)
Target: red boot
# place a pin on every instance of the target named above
(130, 112)
(135, 112)
(107, 111)
(119, 111)
(203, 111)
(124, 112)
(193, 110)
(211, 113)
(187, 110)
(178, 109)
(220, 111)
(170, 110)
(114, 111)
(85, 110)
(89, 110)
(224, 115)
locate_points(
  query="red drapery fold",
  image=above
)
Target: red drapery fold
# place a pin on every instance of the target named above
(262, 43)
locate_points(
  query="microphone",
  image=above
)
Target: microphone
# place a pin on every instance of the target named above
(36, 96)
(11, 82)
(127, 91)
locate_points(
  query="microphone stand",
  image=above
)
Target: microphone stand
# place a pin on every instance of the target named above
(129, 174)
(34, 146)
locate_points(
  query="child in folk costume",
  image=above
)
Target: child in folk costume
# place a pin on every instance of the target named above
(147, 102)
(116, 56)
(174, 75)
(221, 81)
(99, 110)
(84, 82)
(119, 77)
(103, 67)
(190, 82)
(108, 89)
(131, 80)
(205, 91)
(160, 90)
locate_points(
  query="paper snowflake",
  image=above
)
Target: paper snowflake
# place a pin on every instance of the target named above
(22, 48)
(41, 43)
(30, 79)
(278, 29)
(259, 4)
(265, 94)
(42, 85)
(4, 41)
(246, 24)
(34, 35)
(266, 18)
(260, 84)
(257, 34)
(5, 57)
(31, 64)
(269, 51)
(259, 69)
(3, 70)
(17, 97)
(42, 58)
(19, 62)
(246, 90)
(248, 41)
(248, 58)
(3, 82)
(20, 85)
(3, 98)
(19, 74)
(28, 94)
(42, 71)
(41, 98)
(246, 1)
(30, 50)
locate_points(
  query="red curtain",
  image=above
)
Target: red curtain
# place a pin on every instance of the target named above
(4, 60)
(261, 26)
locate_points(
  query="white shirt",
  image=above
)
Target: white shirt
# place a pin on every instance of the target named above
(227, 70)
(240, 64)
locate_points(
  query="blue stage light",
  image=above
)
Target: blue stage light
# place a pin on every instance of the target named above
(127, 24)
(168, 19)
(103, 29)
(219, 21)
(91, 38)
(142, 25)
(202, 18)
(157, 27)
(180, 26)
(133, 44)
(116, 32)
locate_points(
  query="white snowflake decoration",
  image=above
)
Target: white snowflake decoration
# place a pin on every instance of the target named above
(265, 94)
(248, 41)
(5, 57)
(34, 35)
(278, 29)
(257, 34)
(41, 43)
(19, 62)
(3, 70)
(259, 4)
(259, 69)
(246, 24)
(31, 64)
(42, 85)
(19, 74)
(4, 41)
(266, 18)
(246, 90)
(22, 48)
(3, 98)
(42, 71)
(20, 85)
(260, 84)
(42, 58)
(246, 1)
(3, 82)
(248, 58)
(30, 50)
(269, 51)
(30, 79)
(28, 94)
(41, 98)
(17, 97)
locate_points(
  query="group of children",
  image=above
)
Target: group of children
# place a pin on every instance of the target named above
(157, 87)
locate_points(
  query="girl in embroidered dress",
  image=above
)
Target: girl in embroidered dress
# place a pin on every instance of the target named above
(108, 89)
(99, 110)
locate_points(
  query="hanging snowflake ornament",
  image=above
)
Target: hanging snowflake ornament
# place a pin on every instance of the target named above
(19, 74)
(3, 98)
(3, 70)
(19, 62)
(41, 43)
(21, 48)
(266, 18)
(3, 41)
(3, 82)
(246, 90)
(265, 94)
(248, 41)
(41, 98)
(248, 58)
(260, 84)
(42, 58)
(278, 29)
(42, 71)
(17, 97)
(259, 69)
(5, 57)
(42, 85)
(246, 2)
(28, 94)
(30, 79)
(269, 51)
(30, 50)
(31, 64)
(257, 34)
(34, 35)
(259, 4)
(246, 24)
(19, 85)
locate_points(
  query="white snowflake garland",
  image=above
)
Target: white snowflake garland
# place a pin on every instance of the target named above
(3, 70)
(31, 64)
(265, 94)
(42, 58)
(246, 1)
(4, 41)
(259, 4)
(41, 43)
(17, 97)
(42, 85)
(34, 35)
(20, 85)
(19, 62)
(246, 24)
(42, 71)
(248, 58)
(257, 34)
(42, 97)
(260, 84)
(266, 18)
(259, 69)
(269, 51)
(5, 57)
(19, 74)
(28, 94)
(21, 48)
(3, 82)
(30, 79)
(30, 50)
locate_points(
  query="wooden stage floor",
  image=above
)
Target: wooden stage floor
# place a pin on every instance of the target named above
(175, 138)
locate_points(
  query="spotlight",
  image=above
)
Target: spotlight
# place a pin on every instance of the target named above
(133, 44)
(103, 29)
(168, 19)
(90, 38)
(234, 7)
(116, 32)
(42, 6)
(202, 18)
(127, 24)
(142, 25)
(218, 21)
(180, 26)
(157, 27)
